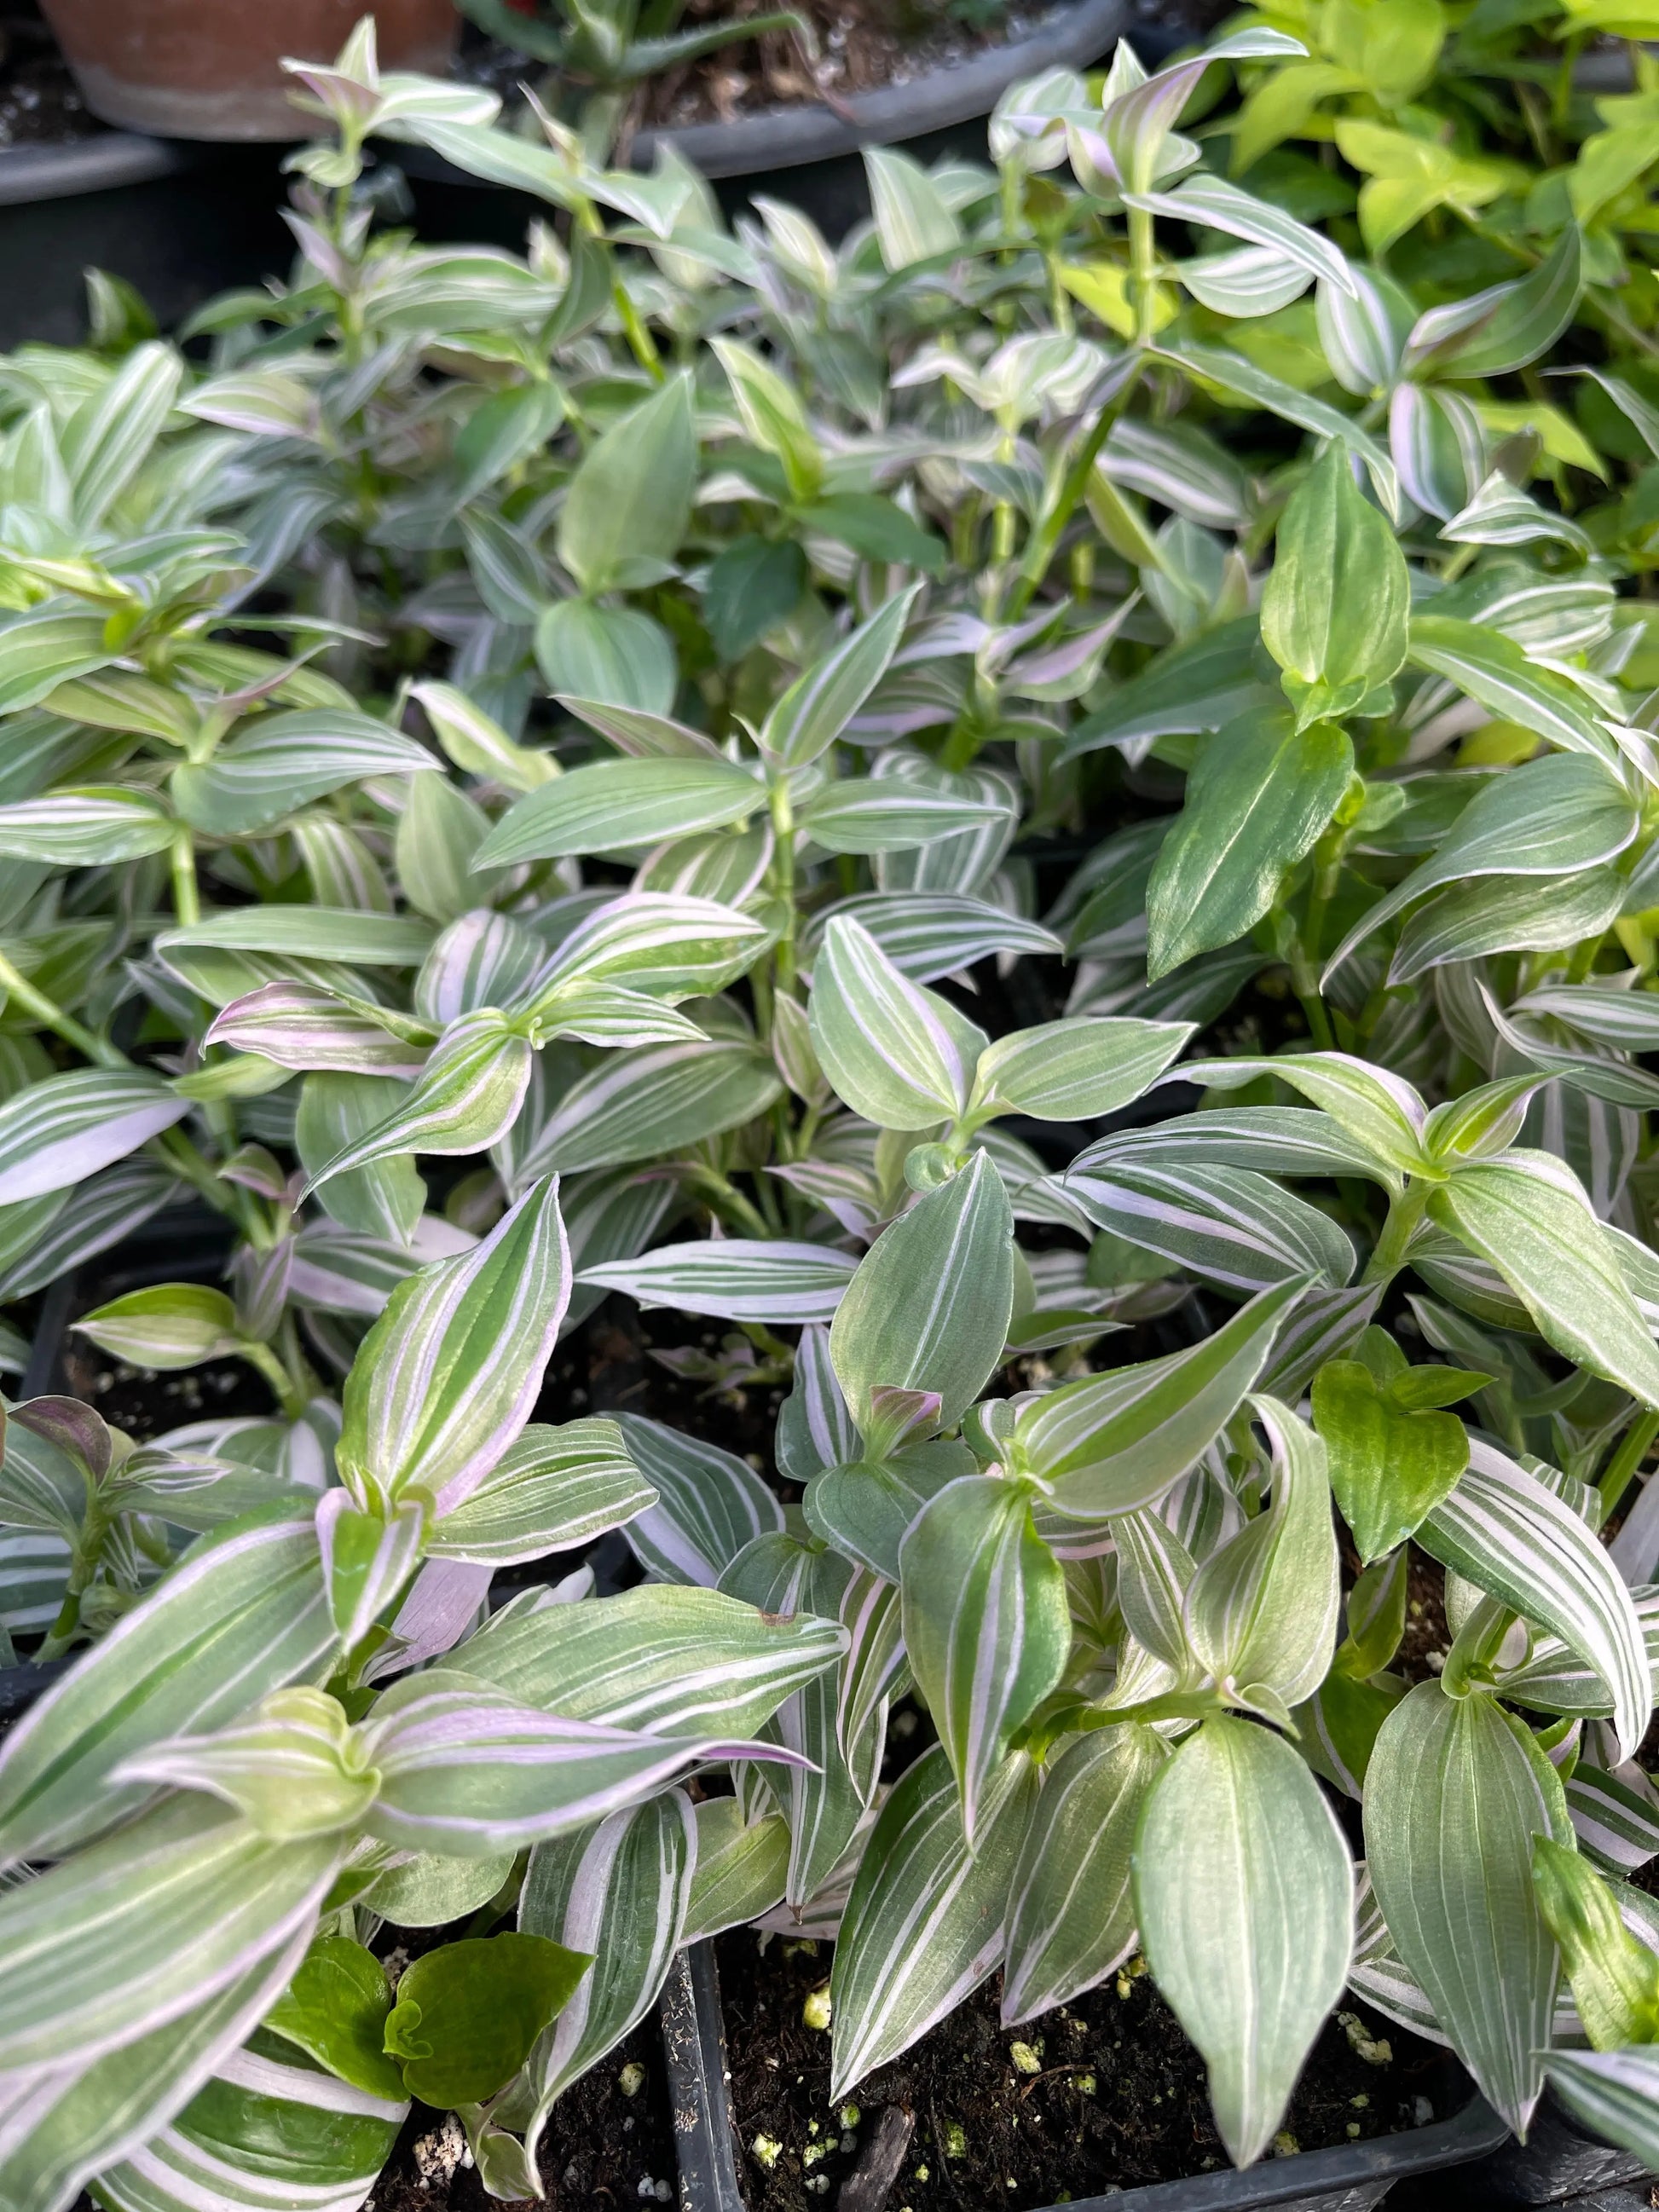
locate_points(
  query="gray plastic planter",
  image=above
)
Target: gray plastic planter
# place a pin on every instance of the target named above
(1071, 37)
(1352, 2177)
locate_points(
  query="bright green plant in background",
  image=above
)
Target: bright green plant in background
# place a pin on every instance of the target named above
(507, 765)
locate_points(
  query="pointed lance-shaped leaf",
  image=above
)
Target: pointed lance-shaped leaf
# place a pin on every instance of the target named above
(709, 1505)
(929, 1307)
(924, 1922)
(466, 1098)
(986, 1624)
(446, 1377)
(1070, 1908)
(735, 1278)
(1119, 1441)
(1244, 1890)
(821, 701)
(897, 1053)
(552, 1488)
(60, 1131)
(1455, 1792)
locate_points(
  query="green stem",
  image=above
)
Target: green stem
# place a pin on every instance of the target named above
(1143, 267)
(50, 1015)
(783, 877)
(1044, 540)
(186, 894)
(262, 1357)
(1620, 1470)
(724, 1198)
(1404, 1215)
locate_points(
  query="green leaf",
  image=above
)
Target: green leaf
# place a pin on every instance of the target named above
(468, 2013)
(659, 1099)
(1262, 794)
(1071, 1911)
(772, 415)
(1262, 1612)
(622, 804)
(986, 1624)
(465, 1098)
(275, 765)
(169, 1326)
(335, 2011)
(752, 586)
(57, 1133)
(1455, 1794)
(1244, 1891)
(1335, 604)
(1528, 1215)
(45, 648)
(1118, 1441)
(896, 1052)
(553, 1489)
(740, 1870)
(1614, 2094)
(1494, 333)
(929, 1306)
(1390, 1465)
(913, 222)
(630, 500)
(91, 827)
(1075, 1070)
(620, 655)
(385, 1197)
(1615, 1979)
(245, 1612)
(1496, 671)
(923, 1925)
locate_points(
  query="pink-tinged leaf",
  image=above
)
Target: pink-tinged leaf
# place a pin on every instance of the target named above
(432, 1620)
(59, 1132)
(303, 1028)
(469, 1773)
(447, 1376)
(73, 1427)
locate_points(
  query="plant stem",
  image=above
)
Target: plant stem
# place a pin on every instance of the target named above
(725, 1200)
(1620, 1470)
(1040, 545)
(783, 870)
(186, 894)
(1404, 1215)
(51, 1015)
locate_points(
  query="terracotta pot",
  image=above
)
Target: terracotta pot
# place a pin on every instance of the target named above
(209, 69)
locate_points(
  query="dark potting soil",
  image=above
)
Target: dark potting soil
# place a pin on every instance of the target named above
(39, 103)
(1117, 2098)
(146, 1405)
(862, 46)
(599, 2148)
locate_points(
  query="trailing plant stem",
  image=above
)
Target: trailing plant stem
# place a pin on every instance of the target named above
(1404, 1216)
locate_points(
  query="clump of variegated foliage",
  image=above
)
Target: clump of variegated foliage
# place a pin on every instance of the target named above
(512, 768)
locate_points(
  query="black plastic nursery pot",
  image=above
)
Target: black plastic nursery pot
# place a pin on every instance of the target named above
(1351, 2177)
(178, 223)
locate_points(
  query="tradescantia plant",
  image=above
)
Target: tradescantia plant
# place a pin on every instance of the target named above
(1053, 826)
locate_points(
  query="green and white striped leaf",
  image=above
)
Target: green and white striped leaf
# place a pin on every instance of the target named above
(87, 827)
(244, 1613)
(1212, 203)
(280, 763)
(621, 806)
(669, 946)
(815, 1429)
(710, 1504)
(1278, 1140)
(896, 1052)
(1454, 1795)
(1072, 1071)
(891, 814)
(821, 701)
(1616, 1822)
(1376, 1106)
(1614, 2093)
(138, 1928)
(1071, 1910)
(470, 1774)
(923, 1926)
(929, 1307)
(1528, 1216)
(739, 1870)
(298, 1026)
(1262, 1612)
(66, 2125)
(478, 744)
(446, 1377)
(619, 1894)
(660, 1099)
(1553, 816)
(1118, 1441)
(382, 1197)
(1502, 1530)
(60, 1131)
(355, 935)
(1230, 1224)
(737, 1278)
(465, 1099)
(986, 1624)
(665, 1659)
(929, 934)
(45, 648)
(1243, 1888)
(552, 1488)
(265, 2126)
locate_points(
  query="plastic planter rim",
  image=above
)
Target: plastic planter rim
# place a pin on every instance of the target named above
(107, 162)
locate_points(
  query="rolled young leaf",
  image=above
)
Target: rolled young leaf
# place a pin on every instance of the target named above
(1244, 1889)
